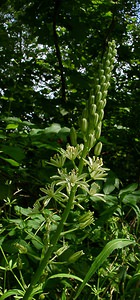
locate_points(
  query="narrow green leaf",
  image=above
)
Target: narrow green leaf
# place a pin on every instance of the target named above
(64, 275)
(12, 292)
(99, 260)
(10, 161)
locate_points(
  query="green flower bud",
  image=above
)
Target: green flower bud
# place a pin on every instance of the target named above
(98, 149)
(41, 297)
(95, 119)
(109, 56)
(61, 250)
(107, 70)
(114, 52)
(85, 113)
(111, 68)
(73, 136)
(107, 63)
(98, 131)
(101, 70)
(105, 102)
(92, 99)
(74, 257)
(102, 79)
(93, 109)
(101, 114)
(104, 96)
(104, 87)
(85, 220)
(98, 97)
(22, 249)
(100, 105)
(98, 87)
(97, 81)
(84, 125)
(107, 85)
(91, 140)
(19, 263)
(112, 61)
(108, 77)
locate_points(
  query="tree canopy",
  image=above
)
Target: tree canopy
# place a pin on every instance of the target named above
(49, 59)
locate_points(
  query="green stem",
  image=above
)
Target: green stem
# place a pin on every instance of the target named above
(84, 154)
(51, 249)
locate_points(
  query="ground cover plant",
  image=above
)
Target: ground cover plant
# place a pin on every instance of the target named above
(52, 249)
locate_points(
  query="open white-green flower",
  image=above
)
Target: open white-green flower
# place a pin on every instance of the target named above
(57, 161)
(52, 193)
(68, 180)
(72, 152)
(97, 172)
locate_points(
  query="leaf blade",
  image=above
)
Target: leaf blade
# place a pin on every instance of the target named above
(108, 249)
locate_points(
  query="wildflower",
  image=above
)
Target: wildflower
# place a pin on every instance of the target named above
(57, 161)
(72, 152)
(68, 180)
(52, 193)
(95, 168)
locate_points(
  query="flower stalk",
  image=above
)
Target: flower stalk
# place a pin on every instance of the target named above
(69, 182)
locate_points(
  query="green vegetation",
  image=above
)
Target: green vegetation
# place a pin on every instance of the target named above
(69, 172)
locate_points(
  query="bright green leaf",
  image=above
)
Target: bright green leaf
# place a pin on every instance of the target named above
(12, 126)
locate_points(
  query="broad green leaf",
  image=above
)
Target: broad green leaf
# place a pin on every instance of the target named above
(99, 260)
(64, 130)
(53, 128)
(12, 126)
(23, 211)
(130, 198)
(111, 183)
(12, 120)
(15, 153)
(26, 123)
(130, 188)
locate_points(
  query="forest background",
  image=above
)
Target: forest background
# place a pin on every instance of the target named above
(49, 58)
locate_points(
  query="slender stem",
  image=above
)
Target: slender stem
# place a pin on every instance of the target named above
(84, 154)
(57, 234)
(54, 241)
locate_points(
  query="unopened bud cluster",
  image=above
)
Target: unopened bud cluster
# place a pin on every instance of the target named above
(91, 120)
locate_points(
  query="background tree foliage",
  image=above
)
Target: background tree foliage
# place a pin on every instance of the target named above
(48, 54)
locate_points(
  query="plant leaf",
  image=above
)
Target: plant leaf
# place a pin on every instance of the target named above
(11, 161)
(15, 292)
(64, 275)
(130, 188)
(12, 126)
(108, 249)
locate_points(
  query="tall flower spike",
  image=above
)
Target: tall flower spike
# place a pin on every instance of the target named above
(90, 121)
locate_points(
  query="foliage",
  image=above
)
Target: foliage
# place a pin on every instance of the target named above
(56, 233)
(48, 64)
(52, 54)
